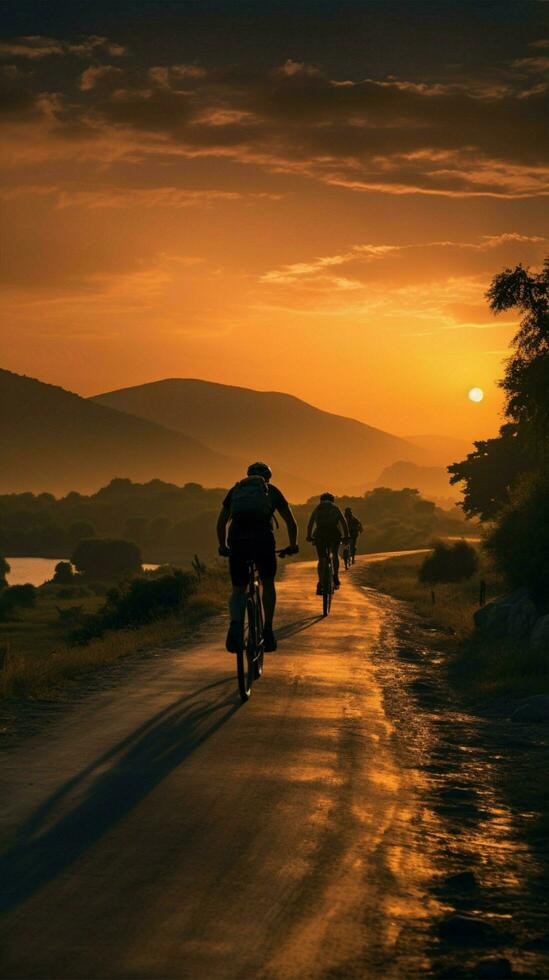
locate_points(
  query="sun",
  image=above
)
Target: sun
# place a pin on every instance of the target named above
(476, 394)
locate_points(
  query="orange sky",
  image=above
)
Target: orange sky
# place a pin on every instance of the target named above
(325, 229)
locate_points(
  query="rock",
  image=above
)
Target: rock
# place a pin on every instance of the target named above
(495, 968)
(534, 709)
(522, 617)
(492, 619)
(466, 930)
(463, 881)
(539, 637)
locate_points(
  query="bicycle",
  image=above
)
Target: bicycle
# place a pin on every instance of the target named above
(326, 578)
(348, 558)
(249, 660)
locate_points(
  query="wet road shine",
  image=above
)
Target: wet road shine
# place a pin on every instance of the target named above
(162, 830)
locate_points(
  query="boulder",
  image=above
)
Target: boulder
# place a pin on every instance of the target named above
(494, 968)
(539, 637)
(533, 710)
(522, 617)
(513, 615)
(492, 619)
(466, 930)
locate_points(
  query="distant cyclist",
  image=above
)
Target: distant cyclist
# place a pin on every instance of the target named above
(327, 527)
(250, 507)
(355, 528)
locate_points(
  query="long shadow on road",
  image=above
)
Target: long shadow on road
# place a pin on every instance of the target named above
(300, 624)
(136, 765)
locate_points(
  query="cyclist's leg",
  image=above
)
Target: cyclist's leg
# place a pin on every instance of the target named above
(265, 559)
(335, 558)
(320, 550)
(238, 568)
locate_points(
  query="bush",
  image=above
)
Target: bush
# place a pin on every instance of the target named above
(63, 574)
(105, 558)
(17, 596)
(519, 544)
(143, 601)
(4, 572)
(448, 563)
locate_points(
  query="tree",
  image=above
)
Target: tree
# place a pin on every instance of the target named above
(498, 465)
(448, 563)
(79, 530)
(63, 574)
(104, 558)
(519, 543)
(490, 472)
(4, 572)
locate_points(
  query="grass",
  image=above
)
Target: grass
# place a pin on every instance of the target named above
(39, 663)
(477, 667)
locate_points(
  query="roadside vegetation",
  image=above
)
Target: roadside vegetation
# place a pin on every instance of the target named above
(79, 624)
(477, 667)
(506, 486)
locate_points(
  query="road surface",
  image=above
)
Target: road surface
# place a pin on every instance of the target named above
(162, 830)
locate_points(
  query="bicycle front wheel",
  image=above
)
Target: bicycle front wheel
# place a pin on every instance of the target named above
(245, 660)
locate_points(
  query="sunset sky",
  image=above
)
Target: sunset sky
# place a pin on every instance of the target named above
(308, 197)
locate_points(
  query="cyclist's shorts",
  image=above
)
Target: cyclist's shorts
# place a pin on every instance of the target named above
(260, 547)
(331, 539)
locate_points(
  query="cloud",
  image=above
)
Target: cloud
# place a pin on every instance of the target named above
(111, 196)
(362, 254)
(389, 135)
(38, 46)
(96, 74)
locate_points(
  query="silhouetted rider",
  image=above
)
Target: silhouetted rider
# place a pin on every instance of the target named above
(250, 507)
(327, 526)
(355, 528)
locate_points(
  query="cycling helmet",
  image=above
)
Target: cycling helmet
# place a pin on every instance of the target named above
(260, 469)
(348, 510)
(327, 496)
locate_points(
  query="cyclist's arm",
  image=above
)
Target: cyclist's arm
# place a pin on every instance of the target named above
(311, 524)
(222, 522)
(290, 521)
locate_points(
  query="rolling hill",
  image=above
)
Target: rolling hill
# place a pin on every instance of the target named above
(53, 440)
(319, 448)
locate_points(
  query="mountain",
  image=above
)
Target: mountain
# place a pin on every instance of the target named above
(53, 440)
(431, 481)
(328, 451)
(441, 450)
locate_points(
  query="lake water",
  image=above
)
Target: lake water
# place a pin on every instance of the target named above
(37, 570)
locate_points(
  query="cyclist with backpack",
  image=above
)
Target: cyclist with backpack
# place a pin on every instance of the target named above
(355, 528)
(327, 527)
(249, 509)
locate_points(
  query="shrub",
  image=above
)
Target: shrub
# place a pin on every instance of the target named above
(17, 596)
(143, 601)
(519, 544)
(105, 558)
(4, 572)
(63, 574)
(448, 563)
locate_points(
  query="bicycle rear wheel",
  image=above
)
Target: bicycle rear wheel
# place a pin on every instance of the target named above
(259, 643)
(245, 664)
(327, 586)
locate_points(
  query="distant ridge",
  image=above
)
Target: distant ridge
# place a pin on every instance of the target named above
(53, 440)
(322, 449)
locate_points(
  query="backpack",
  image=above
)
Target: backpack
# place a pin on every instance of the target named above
(327, 516)
(250, 500)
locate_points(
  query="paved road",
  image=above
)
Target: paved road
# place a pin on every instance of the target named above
(161, 829)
